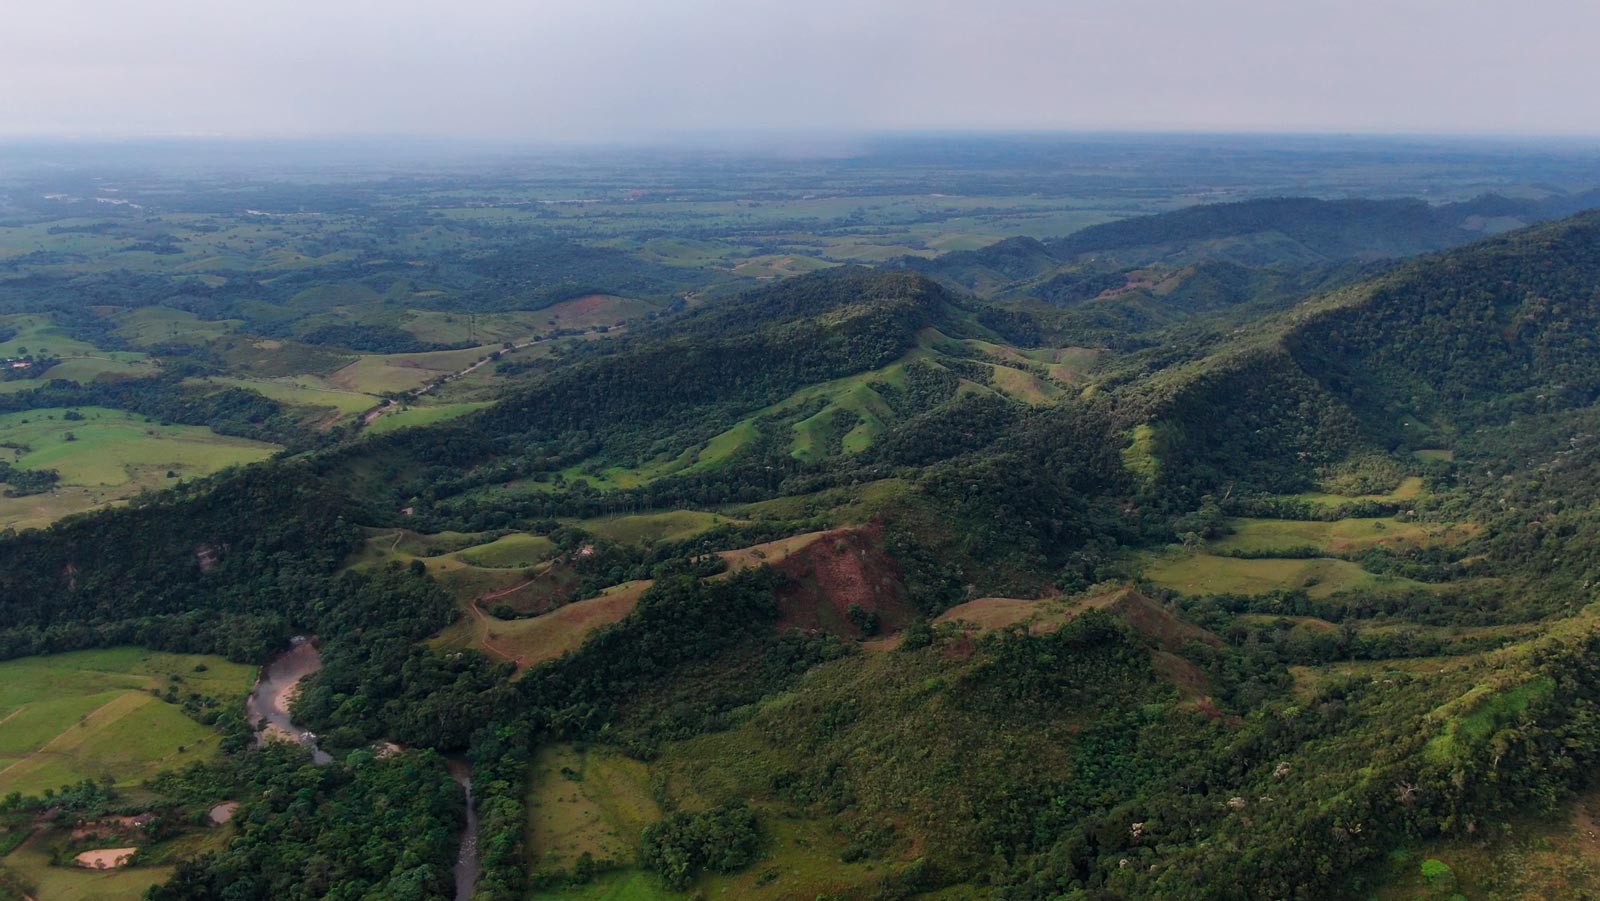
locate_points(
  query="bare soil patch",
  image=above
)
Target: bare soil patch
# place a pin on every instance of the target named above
(106, 858)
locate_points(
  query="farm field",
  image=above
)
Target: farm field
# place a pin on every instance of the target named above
(675, 525)
(300, 392)
(513, 550)
(111, 456)
(592, 802)
(421, 415)
(1336, 537)
(534, 640)
(1211, 574)
(1409, 487)
(90, 714)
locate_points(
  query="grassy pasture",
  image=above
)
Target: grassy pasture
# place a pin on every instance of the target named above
(1209, 574)
(593, 801)
(1410, 487)
(381, 373)
(113, 456)
(88, 369)
(88, 714)
(109, 444)
(509, 551)
(38, 334)
(530, 642)
(423, 415)
(153, 325)
(300, 393)
(674, 525)
(1341, 536)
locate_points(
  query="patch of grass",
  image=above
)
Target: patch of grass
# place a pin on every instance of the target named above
(673, 525)
(1209, 574)
(1340, 536)
(384, 373)
(112, 456)
(154, 325)
(1140, 456)
(87, 369)
(622, 885)
(88, 714)
(108, 444)
(1024, 386)
(1409, 487)
(423, 415)
(511, 550)
(300, 394)
(530, 642)
(587, 801)
(1487, 709)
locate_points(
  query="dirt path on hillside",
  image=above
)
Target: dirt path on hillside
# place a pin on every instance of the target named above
(488, 645)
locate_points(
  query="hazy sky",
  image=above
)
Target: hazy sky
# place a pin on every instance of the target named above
(596, 69)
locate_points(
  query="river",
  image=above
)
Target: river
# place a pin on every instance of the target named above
(275, 689)
(270, 701)
(467, 857)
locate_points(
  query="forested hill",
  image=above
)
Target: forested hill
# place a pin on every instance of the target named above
(1271, 232)
(1415, 359)
(1302, 230)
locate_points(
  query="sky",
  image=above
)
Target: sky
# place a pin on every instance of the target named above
(601, 70)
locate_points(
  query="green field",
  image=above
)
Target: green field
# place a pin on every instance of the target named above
(1410, 487)
(418, 416)
(675, 525)
(1209, 574)
(301, 393)
(1337, 537)
(155, 325)
(112, 456)
(382, 373)
(512, 550)
(89, 714)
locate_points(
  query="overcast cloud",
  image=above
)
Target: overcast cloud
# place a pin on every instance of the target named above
(599, 69)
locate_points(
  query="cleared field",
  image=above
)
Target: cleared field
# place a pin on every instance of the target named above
(530, 642)
(509, 551)
(382, 373)
(674, 525)
(88, 369)
(110, 456)
(37, 334)
(1024, 386)
(154, 325)
(89, 714)
(1409, 487)
(108, 445)
(842, 506)
(769, 552)
(1209, 574)
(1341, 536)
(422, 415)
(595, 802)
(298, 394)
